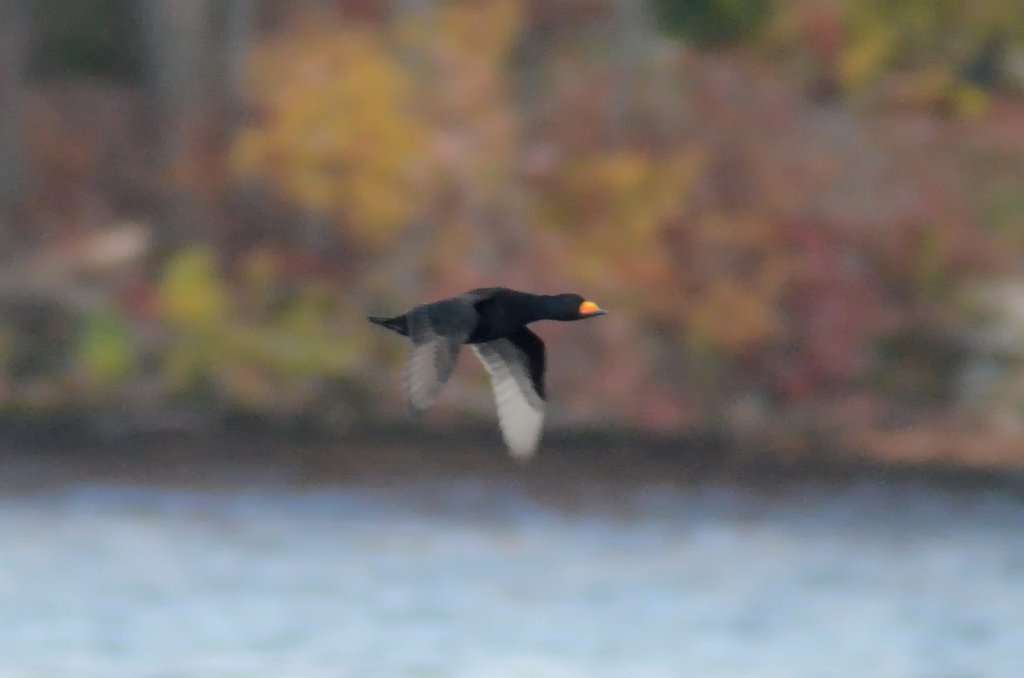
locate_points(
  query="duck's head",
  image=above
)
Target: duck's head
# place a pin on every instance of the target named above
(571, 307)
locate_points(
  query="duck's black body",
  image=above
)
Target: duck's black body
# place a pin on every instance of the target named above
(494, 321)
(498, 312)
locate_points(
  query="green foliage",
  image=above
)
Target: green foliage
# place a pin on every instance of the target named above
(87, 37)
(918, 368)
(711, 23)
(928, 30)
(106, 354)
(954, 47)
(192, 294)
(257, 361)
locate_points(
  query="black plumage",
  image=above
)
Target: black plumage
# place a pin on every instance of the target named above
(493, 321)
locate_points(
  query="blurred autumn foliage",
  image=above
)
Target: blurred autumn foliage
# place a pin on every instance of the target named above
(807, 217)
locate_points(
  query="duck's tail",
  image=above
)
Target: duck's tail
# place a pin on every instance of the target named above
(396, 324)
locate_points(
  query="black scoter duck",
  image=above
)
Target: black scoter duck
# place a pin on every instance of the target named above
(493, 321)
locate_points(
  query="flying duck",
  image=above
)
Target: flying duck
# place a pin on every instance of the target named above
(493, 321)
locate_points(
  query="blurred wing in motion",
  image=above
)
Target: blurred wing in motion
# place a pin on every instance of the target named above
(516, 366)
(438, 332)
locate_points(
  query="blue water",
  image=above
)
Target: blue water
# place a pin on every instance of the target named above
(493, 578)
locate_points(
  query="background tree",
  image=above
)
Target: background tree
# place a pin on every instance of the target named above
(14, 45)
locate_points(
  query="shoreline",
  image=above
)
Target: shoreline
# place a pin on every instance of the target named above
(36, 455)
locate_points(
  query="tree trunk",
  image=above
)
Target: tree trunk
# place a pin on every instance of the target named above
(198, 56)
(405, 265)
(239, 27)
(634, 34)
(14, 41)
(180, 70)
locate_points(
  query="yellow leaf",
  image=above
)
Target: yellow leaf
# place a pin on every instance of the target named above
(866, 57)
(192, 293)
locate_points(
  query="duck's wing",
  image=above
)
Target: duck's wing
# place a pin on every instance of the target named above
(516, 366)
(438, 331)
